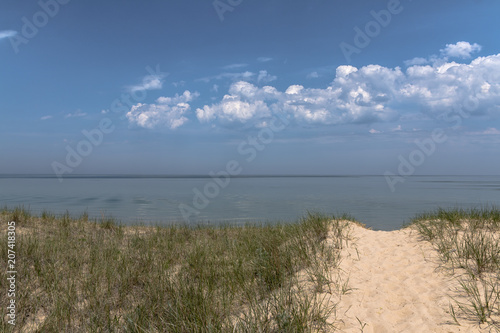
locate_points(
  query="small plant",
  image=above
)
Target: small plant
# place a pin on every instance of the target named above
(20, 214)
(361, 324)
(85, 216)
(108, 223)
(47, 216)
(65, 220)
(481, 303)
(453, 314)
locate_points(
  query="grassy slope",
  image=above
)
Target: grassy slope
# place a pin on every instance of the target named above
(78, 275)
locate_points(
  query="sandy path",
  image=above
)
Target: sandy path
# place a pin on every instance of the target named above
(396, 285)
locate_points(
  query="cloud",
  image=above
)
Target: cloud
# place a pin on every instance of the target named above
(77, 113)
(181, 83)
(152, 115)
(450, 86)
(355, 96)
(344, 71)
(333, 105)
(234, 66)
(416, 61)
(370, 94)
(488, 131)
(231, 76)
(167, 111)
(245, 102)
(149, 82)
(233, 109)
(460, 50)
(186, 97)
(46, 117)
(313, 75)
(264, 59)
(294, 90)
(264, 76)
(7, 34)
(492, 131)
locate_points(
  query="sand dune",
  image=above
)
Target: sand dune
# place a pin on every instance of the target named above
(397, 286)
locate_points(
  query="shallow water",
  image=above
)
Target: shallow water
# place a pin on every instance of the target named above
(157, 199)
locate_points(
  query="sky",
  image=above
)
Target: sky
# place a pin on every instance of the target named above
(316, 87)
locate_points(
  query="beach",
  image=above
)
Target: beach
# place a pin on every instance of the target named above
(397, 284)
(320, 274)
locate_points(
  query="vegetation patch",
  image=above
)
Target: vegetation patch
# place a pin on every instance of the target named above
(468, 243)
(81, 275)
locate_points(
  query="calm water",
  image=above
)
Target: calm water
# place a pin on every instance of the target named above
(367, 198)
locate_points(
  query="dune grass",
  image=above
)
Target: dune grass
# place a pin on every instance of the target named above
(81, 275)
(468, 240)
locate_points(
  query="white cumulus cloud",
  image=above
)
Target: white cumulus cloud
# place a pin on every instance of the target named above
(232, 108)
(452, 85)
(372, 93)
(264, 76)
(460, 49)
(167, 111)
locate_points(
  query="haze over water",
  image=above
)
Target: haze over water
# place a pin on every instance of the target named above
(156, 199)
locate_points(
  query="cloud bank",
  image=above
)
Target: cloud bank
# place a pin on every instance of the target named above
(366, 95)
(371, 93)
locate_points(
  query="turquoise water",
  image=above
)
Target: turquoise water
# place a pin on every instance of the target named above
(157, 199)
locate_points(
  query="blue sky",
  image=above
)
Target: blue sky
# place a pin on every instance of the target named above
(282, 87)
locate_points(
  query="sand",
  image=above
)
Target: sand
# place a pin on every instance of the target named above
(397, 285)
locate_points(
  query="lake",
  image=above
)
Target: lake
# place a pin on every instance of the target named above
(163, 199)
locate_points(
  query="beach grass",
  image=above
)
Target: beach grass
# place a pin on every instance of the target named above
(96, 275)
(468, 243)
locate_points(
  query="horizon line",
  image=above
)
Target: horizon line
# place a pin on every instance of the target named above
(138, 175)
